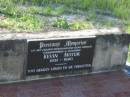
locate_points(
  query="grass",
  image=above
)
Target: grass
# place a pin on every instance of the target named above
(128, 59)
(79, 25)
(75, 25)
(46, 11)
(32, 10)
(118, 8)
(61, 23)
(17, 19)
(24, 23)
(52, 11)
(10, 9)
(14, 13)
(128, 29)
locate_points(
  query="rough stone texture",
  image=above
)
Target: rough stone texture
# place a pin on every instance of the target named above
(12, 59)
(60, 34)
(110, 52)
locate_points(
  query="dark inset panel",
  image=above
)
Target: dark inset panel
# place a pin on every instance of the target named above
(48, 56)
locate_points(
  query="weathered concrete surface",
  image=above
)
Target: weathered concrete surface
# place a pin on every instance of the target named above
(60, 34)
(12, 59)
(110, 51)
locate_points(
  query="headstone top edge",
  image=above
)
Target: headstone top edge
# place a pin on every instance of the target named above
(62, 38)
(61, 34)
